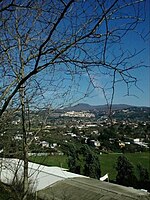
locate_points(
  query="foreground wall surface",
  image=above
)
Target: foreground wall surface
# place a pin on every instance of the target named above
(90, 189)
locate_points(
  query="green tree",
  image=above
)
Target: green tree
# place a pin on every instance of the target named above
(73, 159)
(125, 172)
(92, 164)
(144, 180)
(74, 130)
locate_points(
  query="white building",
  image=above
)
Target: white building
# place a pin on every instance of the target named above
(78, 114)
(41, 176)
(96, 143)
(44, 144)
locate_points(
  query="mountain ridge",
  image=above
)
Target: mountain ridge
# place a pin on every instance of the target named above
(88, 107)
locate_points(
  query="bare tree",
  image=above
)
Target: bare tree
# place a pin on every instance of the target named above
(53, 45)
(67, 38)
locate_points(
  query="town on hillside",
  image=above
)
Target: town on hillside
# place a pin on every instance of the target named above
(86, 142)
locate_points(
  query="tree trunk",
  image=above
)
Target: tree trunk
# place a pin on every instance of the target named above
(25, 146)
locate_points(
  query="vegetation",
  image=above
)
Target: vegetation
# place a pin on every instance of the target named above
(14, 192)
(92, 166)
(4, 192)
(74, 162)
(131, 169)
(60, 161)
(144, 179)
(107, 161)
(84, 161)
(125, 174)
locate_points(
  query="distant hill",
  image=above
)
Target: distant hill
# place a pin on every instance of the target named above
(87, 107)
(121, 111)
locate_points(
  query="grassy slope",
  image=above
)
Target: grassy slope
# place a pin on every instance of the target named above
(60, 161)
(108, 161)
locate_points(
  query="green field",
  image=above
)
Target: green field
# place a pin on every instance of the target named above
(60, 161)
(108, 161)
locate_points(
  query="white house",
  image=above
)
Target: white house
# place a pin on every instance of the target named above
(44, 144)
(96, 143)
(54, 145)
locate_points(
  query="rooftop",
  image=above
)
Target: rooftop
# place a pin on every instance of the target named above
(57, 183)
(90, 189)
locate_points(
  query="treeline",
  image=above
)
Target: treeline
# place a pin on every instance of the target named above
(84, 160)
(126, 174)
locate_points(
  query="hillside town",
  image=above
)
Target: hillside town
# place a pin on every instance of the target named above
(127, 135)
(66, 135)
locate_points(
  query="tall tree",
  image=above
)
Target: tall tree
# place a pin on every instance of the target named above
(74, 163)
(144, 180)
(91, 163)
(125, 172)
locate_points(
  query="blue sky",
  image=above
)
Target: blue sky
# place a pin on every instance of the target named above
(71, 91)
(140, 95)
(65, 80)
